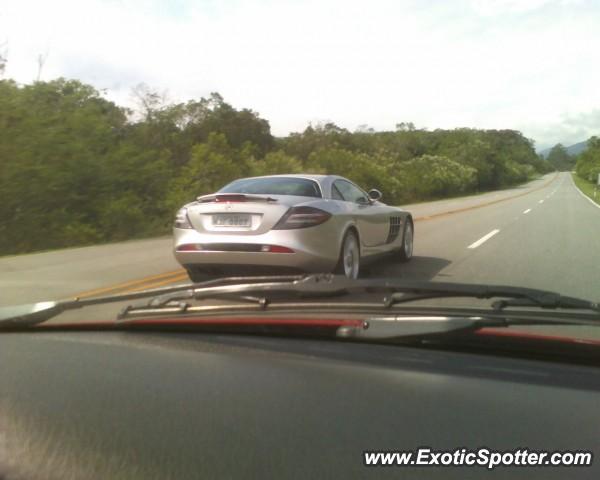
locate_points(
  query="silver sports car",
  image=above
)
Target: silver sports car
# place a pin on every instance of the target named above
(294, 223)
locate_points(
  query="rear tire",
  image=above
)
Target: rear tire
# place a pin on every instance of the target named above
(408, 237)
(349, 261)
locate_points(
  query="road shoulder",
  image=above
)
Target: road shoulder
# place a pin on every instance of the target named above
(585, 192)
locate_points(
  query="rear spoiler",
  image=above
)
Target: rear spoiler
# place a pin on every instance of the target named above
(233, 198)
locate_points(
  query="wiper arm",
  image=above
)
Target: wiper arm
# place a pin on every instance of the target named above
(326, 285)
(401, 328)
(265, 294)
(401, 291)
(264, 290)
(35, 313)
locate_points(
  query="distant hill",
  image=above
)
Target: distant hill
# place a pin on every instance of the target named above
(572, 150)
(577, 148)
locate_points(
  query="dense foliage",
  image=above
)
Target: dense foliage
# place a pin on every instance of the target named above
(560, 159)
(76, 169)
(588, 161)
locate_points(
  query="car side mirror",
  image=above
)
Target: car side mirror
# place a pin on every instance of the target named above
(375, 194)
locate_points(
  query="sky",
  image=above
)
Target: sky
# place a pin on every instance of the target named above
(529, 65)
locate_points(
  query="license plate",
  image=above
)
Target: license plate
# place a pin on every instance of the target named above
(231, 220)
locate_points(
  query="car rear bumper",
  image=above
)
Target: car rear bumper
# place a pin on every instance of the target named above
(313, 250)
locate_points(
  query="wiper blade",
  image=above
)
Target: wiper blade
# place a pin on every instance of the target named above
(265, 295)
(402, 291)
(546, 301)
(518, 297)
(265, 290)
(35, 313)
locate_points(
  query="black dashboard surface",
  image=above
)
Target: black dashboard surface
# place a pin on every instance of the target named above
(154, 405)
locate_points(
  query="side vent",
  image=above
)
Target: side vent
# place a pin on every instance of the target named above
(395, 224)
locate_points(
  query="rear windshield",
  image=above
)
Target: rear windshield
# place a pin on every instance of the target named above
(300, 187)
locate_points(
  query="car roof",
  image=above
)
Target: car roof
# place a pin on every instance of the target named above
(324, 181)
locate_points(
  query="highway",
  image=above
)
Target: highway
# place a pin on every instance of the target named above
(544, 234)
(548, 238)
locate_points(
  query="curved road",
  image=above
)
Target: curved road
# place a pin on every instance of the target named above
(548, 238)
(543, 235)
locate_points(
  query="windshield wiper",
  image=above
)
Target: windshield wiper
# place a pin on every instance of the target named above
(264, 291)
(399, 291)
(518, 297)
(39, 312)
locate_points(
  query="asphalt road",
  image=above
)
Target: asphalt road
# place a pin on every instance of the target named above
(544, 235)
(548, 238)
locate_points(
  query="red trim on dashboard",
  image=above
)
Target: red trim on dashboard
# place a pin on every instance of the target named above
(534, 336)
(249, 321)
(213, 321)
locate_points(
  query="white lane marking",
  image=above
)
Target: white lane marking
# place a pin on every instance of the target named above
(541, 201)
(527, 211)
(483, 239)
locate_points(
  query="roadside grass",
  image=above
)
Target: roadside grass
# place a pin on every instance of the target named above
(586, 187)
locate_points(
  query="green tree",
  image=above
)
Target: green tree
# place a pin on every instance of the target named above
(588, 161)
(52, 138)
(560, 159)
(433, 176)
(239, 126)
(213, 165)
(75, 168)
(273, 163)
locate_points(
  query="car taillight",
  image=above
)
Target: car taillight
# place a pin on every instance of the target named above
(190, 247)
(182, 220)
(275, 249)
(302, 217)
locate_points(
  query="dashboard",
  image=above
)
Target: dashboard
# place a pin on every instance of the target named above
(171, 405)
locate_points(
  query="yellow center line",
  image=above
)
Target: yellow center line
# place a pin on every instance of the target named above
(139, 282)
(480, 205)
(146, 286)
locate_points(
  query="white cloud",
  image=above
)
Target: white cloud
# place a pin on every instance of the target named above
(569, 129)
(501, 7)
(497, 64)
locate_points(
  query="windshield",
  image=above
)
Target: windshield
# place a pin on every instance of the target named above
(274, 186)
(474, 126)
